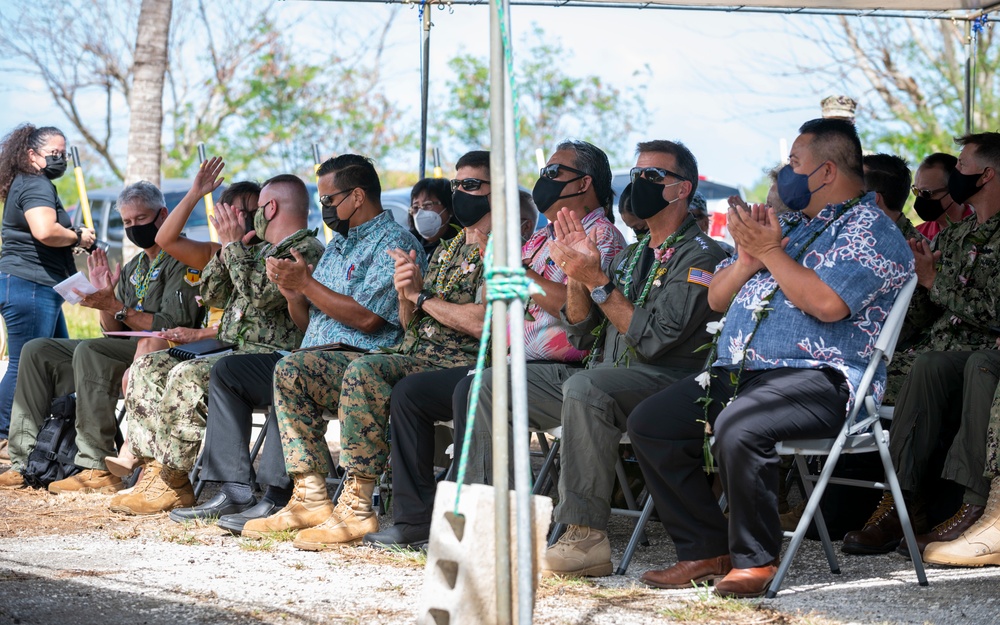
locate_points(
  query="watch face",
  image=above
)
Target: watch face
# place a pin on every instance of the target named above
(599, 295)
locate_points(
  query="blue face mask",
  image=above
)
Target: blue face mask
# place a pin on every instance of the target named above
(793, 188)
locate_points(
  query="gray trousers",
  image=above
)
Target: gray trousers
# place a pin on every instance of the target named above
(945, 390)
(52, 368)
(592, 406)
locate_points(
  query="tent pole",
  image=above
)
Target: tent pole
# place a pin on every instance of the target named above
(498, 186)
(425, 70)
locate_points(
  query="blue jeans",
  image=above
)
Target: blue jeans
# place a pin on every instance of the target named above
(30, 311)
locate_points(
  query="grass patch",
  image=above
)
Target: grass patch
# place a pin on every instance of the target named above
(82, 322)
(711, 608)
(281, 536)
(406, 556)
(184, 538)
(250, 544)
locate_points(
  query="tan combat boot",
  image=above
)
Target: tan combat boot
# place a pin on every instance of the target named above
(11, 480)
(158, 491)
(309, 506)
(351, 519)
(88, 481)
(977, 546)
(580, 552)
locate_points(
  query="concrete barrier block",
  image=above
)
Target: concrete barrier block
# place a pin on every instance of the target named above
(460, 577)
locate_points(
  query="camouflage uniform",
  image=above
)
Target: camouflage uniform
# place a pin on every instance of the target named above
(93, 368)
(993, 439)
(956, 312)
(908, 229)
(363, 401)
(166, 402)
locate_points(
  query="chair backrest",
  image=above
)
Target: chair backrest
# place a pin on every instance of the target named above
(885, 346)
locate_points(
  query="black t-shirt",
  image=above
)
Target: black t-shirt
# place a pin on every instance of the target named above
(21, 254)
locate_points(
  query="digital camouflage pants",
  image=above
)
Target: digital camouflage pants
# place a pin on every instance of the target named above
(353, 386)
(167, 407)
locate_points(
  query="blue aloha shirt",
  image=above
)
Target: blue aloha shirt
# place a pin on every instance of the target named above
(359, 267)
(863, 257)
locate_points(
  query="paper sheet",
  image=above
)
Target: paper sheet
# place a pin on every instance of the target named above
(76, 281)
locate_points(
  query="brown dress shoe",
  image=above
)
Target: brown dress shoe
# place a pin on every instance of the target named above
(743, 583)
(946, 531)
(688, 573)
(881, 534)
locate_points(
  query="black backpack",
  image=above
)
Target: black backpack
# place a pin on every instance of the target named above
(54, 455)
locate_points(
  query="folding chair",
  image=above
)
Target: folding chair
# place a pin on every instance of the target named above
(862, 433)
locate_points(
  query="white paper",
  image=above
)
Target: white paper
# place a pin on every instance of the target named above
(76, 281)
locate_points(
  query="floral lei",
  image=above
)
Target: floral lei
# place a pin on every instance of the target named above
(441, 287)
(661, 255)
(760, 312)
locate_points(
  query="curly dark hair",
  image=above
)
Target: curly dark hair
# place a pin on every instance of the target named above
(14, 152)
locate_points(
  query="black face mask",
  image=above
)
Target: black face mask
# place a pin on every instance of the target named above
(144, 236)
(962, 187)
(548, 191)
(647, 198)
(335, 223)
(55, 167)
(928, 209)
(468, 208)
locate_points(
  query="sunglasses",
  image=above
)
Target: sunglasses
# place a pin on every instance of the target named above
(653, 174)
(416, 206)
(327, 200)
(927, 194)
(553, 170)
(468, 184)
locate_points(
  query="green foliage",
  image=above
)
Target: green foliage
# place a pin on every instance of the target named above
(552, 104)
(757, 192)
(912, 74)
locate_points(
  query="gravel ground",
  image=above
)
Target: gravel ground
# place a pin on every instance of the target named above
(67, 560)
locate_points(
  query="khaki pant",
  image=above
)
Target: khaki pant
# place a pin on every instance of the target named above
(52, 368)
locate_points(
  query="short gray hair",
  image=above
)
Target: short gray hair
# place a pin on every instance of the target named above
(144, 193)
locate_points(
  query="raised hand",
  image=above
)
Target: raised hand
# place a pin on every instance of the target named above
(757, 233)
(207, 179)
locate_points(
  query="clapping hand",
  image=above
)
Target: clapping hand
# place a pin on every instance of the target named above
(925, 261)
(408, 279)
(99, 271)
(231, 225)
(291, 275)
(757, 233)
(575, 252)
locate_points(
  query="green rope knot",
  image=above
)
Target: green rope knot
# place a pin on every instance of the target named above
(505, 284)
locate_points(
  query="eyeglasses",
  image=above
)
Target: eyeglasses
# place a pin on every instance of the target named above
(416, 206)
(468, 184)
(327, 200)
(653, 174)
(553, 170)
(927, 194)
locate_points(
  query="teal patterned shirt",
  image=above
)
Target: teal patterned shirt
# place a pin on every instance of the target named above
(360, 267)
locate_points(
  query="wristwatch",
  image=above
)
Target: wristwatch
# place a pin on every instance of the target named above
(602, 293)
(79, 236)
(423, 297)
(122, 314)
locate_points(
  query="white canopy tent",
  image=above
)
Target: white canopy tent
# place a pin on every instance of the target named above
(507, 239)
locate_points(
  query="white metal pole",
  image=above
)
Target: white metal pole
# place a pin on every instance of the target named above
(498, 88)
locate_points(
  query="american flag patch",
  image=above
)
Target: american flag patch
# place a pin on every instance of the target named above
(700, 276)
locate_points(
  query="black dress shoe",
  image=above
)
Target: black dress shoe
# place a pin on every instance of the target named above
(400, 535)
(214, 508)
(235, 522)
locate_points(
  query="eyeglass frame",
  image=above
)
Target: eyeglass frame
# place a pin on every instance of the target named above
(466, 183)
(637, 172)
(326, 201)
(927, 194)
(414, 208)
(542, 173)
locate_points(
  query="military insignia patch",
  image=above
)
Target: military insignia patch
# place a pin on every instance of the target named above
(192, 276)
(155, 274)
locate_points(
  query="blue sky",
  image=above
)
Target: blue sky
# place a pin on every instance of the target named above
(724, 84)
